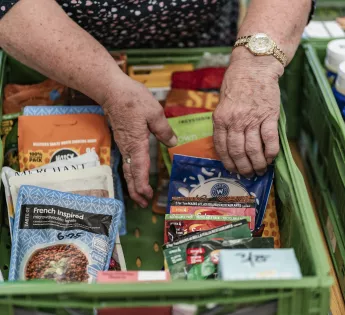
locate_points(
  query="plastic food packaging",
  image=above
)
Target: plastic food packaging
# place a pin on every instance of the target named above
(115, 153)
(177, 111)
(200, 79)
(259, 264)
(82, 162)
(198, 177)
(187, 129)
(175, 253)
(17, 96)
(203, 148)
(203, 255)
(62, 110)
(45, 139)
(61, 236)
(188, 215)
(134, 277)
(192, 99)
(184, 224)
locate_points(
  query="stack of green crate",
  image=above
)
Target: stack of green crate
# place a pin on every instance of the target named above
(308, 296)
(322, 143)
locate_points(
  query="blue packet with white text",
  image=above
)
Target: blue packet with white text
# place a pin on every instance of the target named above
(61, 236)
(207, 178)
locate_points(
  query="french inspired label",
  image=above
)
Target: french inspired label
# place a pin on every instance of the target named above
(63, 219)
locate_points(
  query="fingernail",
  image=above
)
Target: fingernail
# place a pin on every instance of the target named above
(173, 141)
(261, 173)
(269, 161)
(143, 205)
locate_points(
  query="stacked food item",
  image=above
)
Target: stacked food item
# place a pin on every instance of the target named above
(65, 200)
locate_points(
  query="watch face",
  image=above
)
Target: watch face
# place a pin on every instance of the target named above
(261, 44)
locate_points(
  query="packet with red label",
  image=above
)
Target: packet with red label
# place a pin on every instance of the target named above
(205, 78)
(190, 98)
(177, 111)
(181, 224)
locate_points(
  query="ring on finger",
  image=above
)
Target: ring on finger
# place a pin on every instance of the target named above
(127, 160)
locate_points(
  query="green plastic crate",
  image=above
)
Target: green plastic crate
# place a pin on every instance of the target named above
(308, 296)
(323, 147)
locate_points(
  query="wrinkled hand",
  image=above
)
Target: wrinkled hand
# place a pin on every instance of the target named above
(133, 114)
(246, 119)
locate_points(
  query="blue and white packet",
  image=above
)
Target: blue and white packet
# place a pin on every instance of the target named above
(62, 236)
(62, 110)
(115, 153)
(199, 177)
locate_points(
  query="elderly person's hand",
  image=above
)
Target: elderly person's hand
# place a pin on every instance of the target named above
(246, 119)
(134, 113)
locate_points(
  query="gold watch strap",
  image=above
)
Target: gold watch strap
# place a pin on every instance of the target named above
(277, 52)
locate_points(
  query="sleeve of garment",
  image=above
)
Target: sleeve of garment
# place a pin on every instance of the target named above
(5, 6)
(312, 10)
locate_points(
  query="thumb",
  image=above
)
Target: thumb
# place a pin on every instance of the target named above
(159, 126)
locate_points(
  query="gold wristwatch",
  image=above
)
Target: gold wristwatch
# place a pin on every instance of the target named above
(262, 45)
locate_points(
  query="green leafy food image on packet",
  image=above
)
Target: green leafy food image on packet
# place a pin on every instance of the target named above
(187, 129)
(175, 253)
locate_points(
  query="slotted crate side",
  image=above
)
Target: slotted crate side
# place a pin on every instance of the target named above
(326, 209)
(321, 113)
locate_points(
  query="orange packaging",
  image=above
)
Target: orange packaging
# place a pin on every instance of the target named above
(48, 92)
(202, 148)
(45, 139)
(190, 98)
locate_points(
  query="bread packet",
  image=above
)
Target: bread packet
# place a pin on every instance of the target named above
(207, 178)
(61, 236)
(45, 139)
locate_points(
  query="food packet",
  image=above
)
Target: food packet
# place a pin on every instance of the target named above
(11, 148)
(82, 162)
(17, 96)
(183, 224)
(203, 255)
(188, 128)
(115, 153)
(200, 79)
(197, 214)
(177, 111)
(175, 254)
(89, 181)
(198, 177)
(45, 139)
(61, 236)
(270, 222)
(190, 99)
(180, 125)
(62, 110)
(203, 148)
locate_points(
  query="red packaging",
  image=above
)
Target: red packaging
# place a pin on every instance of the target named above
(206, 78)
(132, 277)
(177, 111)
(177, 225)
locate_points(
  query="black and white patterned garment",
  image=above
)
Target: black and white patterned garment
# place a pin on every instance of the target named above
(153, 23)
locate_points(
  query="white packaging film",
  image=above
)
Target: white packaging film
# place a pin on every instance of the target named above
(82, 175)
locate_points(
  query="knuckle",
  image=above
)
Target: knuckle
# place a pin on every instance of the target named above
(270, 135)
(252, 150)
(218, 118)
(237, 154)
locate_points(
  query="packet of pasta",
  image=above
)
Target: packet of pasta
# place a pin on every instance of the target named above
(45, 139)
